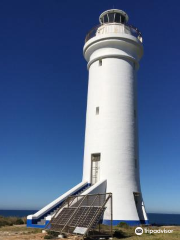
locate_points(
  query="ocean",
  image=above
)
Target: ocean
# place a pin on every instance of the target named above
(164, 219)
(17, 213)
(154, 218)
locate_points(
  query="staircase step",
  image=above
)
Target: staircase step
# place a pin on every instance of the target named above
(42, 222)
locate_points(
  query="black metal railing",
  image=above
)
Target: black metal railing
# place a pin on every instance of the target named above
(128, 29)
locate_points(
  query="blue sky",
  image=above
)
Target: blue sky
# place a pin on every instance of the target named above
(43, 91)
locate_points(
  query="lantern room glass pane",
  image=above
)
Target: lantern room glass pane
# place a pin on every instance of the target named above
(105, 18)
(111, 17)
(122, 19)
(117, 17)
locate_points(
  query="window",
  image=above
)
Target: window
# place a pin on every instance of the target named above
(100, 62)
(97, 110)
(105, 19)
(111, 17)
(117, 18)
(122, 19)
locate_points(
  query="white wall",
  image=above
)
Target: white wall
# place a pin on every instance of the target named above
(113, 133)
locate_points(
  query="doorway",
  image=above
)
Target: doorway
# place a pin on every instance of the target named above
(139, 206)
(95, 168)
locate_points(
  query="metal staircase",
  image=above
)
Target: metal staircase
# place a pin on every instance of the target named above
(80, 214)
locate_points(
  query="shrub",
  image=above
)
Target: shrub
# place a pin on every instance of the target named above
(24, 219)
(9, 221)
(118, 234)
(19, 221)
(123, 225)
(5, 223)
(51, 235)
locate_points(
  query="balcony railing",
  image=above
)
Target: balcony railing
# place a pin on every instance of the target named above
(101, 29)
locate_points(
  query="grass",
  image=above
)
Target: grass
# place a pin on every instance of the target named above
(121, 231)
(20, 228)
(15, 224)
(129, 233)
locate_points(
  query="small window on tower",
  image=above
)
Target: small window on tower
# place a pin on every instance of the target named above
(100, 62)
(97, 110)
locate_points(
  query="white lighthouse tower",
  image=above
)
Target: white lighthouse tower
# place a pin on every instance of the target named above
(113, 51)
(111, 161)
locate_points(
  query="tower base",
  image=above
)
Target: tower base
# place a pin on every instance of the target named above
(129, 222)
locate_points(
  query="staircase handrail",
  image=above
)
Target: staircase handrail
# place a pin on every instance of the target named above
(60, 208)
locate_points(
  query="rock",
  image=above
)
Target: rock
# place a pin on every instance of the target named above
(60, 236)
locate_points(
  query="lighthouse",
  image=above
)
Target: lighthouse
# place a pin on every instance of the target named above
(112, 50)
